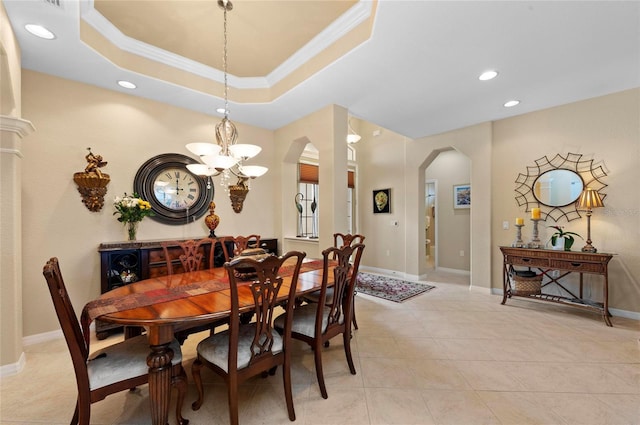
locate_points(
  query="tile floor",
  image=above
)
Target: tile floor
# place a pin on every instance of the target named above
(449, 356)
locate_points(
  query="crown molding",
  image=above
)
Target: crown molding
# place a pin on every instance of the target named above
(340, 27)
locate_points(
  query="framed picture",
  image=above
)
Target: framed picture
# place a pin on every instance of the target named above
(462, 196)
(382, 201)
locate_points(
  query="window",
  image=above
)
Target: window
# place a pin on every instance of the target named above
(307, 203)
(309, 200)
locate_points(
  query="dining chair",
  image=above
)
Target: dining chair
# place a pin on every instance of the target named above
(339, 240)
(191, 257)
(239, 244)
(317, 323)
(115, 368)
(245, 350)
(347, 239)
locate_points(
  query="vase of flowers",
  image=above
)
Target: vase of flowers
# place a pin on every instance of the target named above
(559, 236)
(132, 210)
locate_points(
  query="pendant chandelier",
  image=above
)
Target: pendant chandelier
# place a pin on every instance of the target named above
(226, 157)
(352, 136)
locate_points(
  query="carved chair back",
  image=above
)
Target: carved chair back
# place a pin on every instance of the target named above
(256, 347)
(91, 390)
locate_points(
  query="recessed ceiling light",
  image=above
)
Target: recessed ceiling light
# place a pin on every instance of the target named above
(126, 84)
(488, 75)
(511, 103)
(40, 31)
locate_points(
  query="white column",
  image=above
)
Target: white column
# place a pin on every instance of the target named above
(12, 131)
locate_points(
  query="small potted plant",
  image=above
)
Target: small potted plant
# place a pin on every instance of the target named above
(561, 239)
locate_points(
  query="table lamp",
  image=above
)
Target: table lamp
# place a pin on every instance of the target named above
(589, 199)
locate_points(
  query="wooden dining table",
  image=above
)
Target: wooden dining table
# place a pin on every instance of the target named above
(166, 304)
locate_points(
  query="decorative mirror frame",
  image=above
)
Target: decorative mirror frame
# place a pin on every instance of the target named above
(590, 173)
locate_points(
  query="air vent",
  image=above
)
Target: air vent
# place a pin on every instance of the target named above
(56, 3)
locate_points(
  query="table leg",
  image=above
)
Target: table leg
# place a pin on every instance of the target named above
(605, 300)
(505, 278)
(159, 362)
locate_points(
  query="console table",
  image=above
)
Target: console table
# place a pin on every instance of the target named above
(566, 262)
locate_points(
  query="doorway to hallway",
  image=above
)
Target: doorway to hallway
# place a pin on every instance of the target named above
(430, 223)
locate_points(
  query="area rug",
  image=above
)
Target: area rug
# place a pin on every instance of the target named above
(389, 288)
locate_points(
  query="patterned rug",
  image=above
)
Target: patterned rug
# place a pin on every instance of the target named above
(389, 288)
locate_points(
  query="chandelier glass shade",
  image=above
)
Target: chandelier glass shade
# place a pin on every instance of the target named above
(226, 156)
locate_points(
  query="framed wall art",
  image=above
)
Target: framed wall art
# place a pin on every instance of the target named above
(461, 196)
(382, 201)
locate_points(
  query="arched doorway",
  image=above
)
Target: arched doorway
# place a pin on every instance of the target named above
(449, 221)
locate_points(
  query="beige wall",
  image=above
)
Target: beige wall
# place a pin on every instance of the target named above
(126, 131)
(381, 162)
(326, 129)
(605, 129)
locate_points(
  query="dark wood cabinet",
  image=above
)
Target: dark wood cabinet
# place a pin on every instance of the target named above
(122, 263)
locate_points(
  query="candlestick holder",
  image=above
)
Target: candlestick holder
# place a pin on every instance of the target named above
(535, 239)
(519, 243)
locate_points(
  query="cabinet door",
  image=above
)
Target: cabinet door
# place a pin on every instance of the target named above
(123, 267)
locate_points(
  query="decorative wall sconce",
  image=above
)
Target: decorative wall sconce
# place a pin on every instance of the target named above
(238, 193)
(92, 183)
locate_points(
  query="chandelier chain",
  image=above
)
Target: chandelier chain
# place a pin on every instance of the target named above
(224, 66)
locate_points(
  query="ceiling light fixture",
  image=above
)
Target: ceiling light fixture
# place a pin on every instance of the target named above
(488, 75)
(126, 84)
(40, 31)
(352, 136)
(511, 103)
(227, 157)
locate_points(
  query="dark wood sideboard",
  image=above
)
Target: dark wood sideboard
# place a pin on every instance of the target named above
(122, 263)
(565, 262)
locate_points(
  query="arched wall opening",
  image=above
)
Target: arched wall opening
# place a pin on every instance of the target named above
(475, 143)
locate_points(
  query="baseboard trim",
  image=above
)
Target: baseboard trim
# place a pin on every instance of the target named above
(13, 368)
(456, 271)
(43, 337)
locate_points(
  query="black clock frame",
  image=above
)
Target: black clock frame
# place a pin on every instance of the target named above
(143, 186)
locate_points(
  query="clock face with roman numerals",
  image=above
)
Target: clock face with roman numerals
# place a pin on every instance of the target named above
(176, 195)
(176, 188)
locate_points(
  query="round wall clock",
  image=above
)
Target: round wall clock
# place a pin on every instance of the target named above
(176, 195)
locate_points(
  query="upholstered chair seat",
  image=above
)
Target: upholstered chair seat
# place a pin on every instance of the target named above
(305, 320)
(215, 349)
(124, 360)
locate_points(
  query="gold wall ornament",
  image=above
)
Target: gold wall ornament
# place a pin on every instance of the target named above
(92, 183)
(212, 220)
(238, 193)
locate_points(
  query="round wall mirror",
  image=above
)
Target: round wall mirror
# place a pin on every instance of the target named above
(558, 188)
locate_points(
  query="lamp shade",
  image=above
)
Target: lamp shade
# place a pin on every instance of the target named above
(353, 138)
(202, 149)
(201, 169)
(253, 171)
(219, 162)
(589, 199)
(244, 151)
